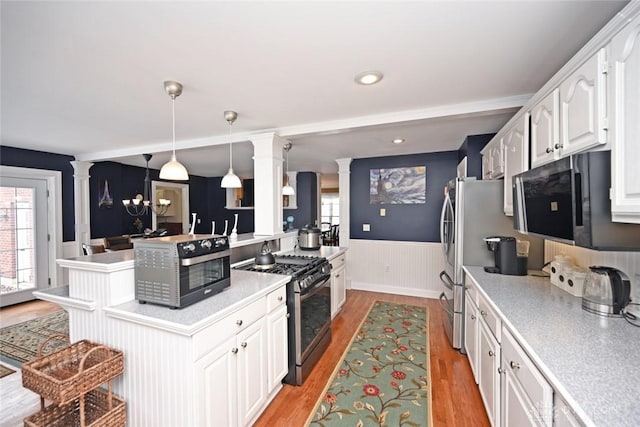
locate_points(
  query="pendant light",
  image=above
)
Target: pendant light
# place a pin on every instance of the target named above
(287, 190)
(173, 170)
(230, 180)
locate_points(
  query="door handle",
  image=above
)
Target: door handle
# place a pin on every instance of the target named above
(444, 278)
(444, 304)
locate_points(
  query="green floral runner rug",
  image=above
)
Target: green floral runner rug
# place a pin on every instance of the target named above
(383, 378)
(19, 343)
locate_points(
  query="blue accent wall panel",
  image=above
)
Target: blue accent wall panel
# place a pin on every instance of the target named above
(415, 222)
(18, 157)
(216, 202)
(307, 200)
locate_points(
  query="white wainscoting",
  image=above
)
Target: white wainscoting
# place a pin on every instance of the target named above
(627, 262)
(404, 268)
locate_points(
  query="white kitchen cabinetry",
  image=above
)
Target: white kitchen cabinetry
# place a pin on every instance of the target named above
(493, 159)
(516, 158)
(471, 334)
(486, 163)
(338, 284)
(244, 358)
(583, 118)
(563, 415)
(624, 109)
(545, 129)
(527, 398)
(488, 376)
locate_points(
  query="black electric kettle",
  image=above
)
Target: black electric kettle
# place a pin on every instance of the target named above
(606, 291)
(265, 259)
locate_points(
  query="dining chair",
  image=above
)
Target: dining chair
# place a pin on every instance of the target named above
(117, 243)
(92, 249)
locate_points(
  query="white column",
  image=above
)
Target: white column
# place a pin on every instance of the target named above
(81, 203)
(267, 170)
(344, 173)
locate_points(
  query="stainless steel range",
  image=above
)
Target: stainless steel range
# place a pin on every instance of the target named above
(309, 307)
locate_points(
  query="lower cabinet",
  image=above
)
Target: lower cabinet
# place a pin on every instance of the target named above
(338, 284)
(488, 372)
(243, 363)
(471, 334)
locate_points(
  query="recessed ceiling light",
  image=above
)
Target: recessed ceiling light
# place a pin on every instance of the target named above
(368, 77)
(398, 141)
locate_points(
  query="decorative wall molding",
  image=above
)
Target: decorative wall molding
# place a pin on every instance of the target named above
(403, 268)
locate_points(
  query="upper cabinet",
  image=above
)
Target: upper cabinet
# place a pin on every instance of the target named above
(493, 159)
(572, 118)
(516, 158)
(625, 129)
(583, 112)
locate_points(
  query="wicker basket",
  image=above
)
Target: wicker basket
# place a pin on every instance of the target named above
(100, 409)
(65, 375)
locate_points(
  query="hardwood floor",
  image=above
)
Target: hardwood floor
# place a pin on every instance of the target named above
(456, 400)
(26, 311)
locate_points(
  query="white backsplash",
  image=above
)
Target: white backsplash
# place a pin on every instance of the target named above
(627, 262)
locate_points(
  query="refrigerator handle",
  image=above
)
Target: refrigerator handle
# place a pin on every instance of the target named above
(445, 305)
(444, 278)
(444, 208)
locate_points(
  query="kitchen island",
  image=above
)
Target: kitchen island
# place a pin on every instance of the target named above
(219, 361)
(590, 362)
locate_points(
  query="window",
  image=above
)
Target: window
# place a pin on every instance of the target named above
(330, 209)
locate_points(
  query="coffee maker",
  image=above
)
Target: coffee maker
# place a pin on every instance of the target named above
(509, 258)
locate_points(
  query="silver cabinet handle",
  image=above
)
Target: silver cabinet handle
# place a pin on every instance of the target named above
(280, 298)
(549, 150)
(239, 322)
(288, 315)
(500, 371)
(484, 313)
(234, 350)
(514, 365)
(473, 317)
(557, 146)
(337, 275)
(243, 345)
(491, 353)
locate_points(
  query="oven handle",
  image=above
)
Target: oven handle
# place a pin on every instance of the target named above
(445, 305)
(444, 278)
(185, 262)
(316, 289)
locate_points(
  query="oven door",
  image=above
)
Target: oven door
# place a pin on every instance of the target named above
(205, 270)
(313, 319)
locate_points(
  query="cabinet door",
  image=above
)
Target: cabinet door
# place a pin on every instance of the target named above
(252, 371)
(471, 335)
(497, 159)
(216, 384)
(277, 347)
(582, 107)
(516, 158)
(545, 139)
(625, 131)
(489, 377)
(338, 291)
(516, 407)
(486, 165)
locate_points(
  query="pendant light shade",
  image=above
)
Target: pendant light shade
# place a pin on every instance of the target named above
(173, 170)
(288, 190)
(230, 180)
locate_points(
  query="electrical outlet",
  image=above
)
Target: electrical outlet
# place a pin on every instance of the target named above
(366, 227)
(198, 221)
(383, 212)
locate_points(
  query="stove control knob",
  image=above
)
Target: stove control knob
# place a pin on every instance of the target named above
(206, 244)
(189, 247)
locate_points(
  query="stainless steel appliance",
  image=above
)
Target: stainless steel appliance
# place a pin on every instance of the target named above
(177, 271)
(472, 210)
(606, 291)
(507, 259)
(568, 201)
(309, 307)
(309, 238)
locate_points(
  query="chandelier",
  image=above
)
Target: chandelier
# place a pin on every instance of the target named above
(141, 204)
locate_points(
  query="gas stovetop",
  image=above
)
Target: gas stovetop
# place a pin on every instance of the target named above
(292, 265)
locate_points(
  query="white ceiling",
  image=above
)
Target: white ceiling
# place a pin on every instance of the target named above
(86, 78)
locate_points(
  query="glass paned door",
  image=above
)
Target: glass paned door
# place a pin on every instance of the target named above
(23, 239)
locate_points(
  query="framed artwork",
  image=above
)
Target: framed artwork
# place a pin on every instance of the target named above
(105, 201)
(398, 185)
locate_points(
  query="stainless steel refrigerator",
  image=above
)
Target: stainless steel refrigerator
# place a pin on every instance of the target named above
(472, 210)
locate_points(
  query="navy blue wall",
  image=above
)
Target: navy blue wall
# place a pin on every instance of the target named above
(216, 201)
(307, 200)
(18, 157)
(470, 149)
(417, 222)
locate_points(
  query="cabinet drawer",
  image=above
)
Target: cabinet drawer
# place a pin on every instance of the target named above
(487, 314)
(276, 298)
(338, 261)
(518, 364)
(221, 330)
(471, 289)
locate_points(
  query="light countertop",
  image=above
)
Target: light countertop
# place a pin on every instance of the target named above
(592, 361)
(328, 252)
(245, 288)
